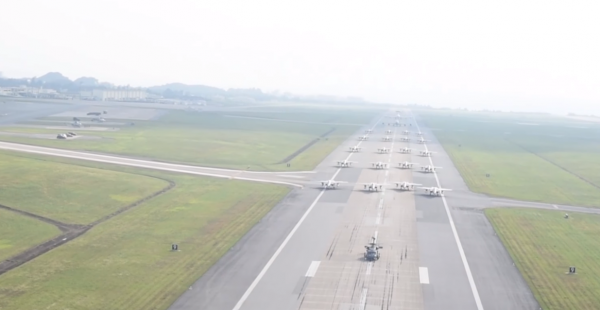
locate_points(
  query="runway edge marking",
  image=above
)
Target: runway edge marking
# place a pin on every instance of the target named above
(312, 269)
(262, 273)
(424, 275)
(461, 251)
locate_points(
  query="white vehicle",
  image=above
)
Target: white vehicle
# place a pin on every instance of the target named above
(407, 165)
(422, 141)
(383, 150)
(389, 131)
(436, 191)
(379, 165)
(331, 184)
(387, 138)
(363, 138)
(369, 131)
(373, 186)
(405, 150)
(355, 148)
(405, 139)
(406, 186)
(430, 169)
(345, 163)
(426, 153)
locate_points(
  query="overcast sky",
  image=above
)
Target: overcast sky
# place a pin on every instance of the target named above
(513, 55)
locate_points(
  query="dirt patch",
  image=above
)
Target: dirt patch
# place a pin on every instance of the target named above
(305, 147)
(70, 231)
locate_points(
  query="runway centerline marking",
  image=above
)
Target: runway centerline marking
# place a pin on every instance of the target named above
(312, 269)
(363, 299)
(424, 275)
(262, 273)
(461, 251)
(369, 266)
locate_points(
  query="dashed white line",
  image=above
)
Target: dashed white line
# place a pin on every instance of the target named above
(369, 266)
(461, 251)
(363, 299)
(312, 269)
(424, 275)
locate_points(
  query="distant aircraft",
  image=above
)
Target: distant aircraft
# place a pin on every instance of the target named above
(437, 191)
(387, 138)
(355, 148)
(405, 150)
(406, 186)
(369, 131)
(372, 250)
(430, 169)
(426, 153)
(422, 141)
(406, 132)
(407, 165)
(345, 163)
(397, 123)
(373, 186)
(383, 150)
(388, 131)
(405, 139)
(331, 184)
(418, 133)
(379, 165)
(363, 138)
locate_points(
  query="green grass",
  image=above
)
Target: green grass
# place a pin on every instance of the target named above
(126, 263)
(543, 245)
(67, 193)
(214, 140)
(551, 162)
(19, 232)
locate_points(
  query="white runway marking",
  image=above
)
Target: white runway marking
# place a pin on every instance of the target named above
(363, 299)
(424, 275)
(461, 251)
(369, 266)
(375, 236)
(312, 269)
(378, 219)
(262, 273)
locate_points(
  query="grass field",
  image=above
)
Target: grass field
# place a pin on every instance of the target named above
(213, 139)
(543, 245)
(19, 232)
(67, 193)
(537, 158)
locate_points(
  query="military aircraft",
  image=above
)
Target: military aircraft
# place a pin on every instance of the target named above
(345, 163)
(389, 131)
(405, 139)
(369, 131)
(406, 186)
(422, 141)
(331, 184)
(383, 150)
(437, 191)
(407, 165)
(430, 168)
(387, 138)
(426, 153)
(397, 123)
(373, 186)
(372, 250)
(405, 150)
(355, 148)
(379, 165)
(363, 138)
(419, 133)
(406, 132)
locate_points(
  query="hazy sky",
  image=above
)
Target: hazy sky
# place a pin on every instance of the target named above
(532, 55)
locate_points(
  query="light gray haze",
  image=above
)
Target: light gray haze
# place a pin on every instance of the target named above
(510, 55)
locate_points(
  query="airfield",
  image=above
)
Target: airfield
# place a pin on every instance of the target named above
(307, 252)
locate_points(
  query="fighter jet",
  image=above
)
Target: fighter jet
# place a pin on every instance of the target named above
(406, 132)
(331, 184)
(383, 150)
(430, 169)
(407, 165)
(419, 133)
(379, 165)
(436, 191)
(372, 250)
(363, 138)
(426, 153)
(355, 148)
(406, 186)
(373, 186)
(405, 139)
(345, 163)
(387, 138)
(369, 131)
(389, 131)
(405, 150)
(422, 141)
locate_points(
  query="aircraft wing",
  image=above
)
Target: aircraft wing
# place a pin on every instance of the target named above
(445, 189)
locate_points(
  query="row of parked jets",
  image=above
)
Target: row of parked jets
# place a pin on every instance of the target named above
(384, 150)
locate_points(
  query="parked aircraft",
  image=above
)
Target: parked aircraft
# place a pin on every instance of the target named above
(430, 168)
(355, 148)
(363, 138)
(369, 131)
(383, 150)
(387, 138)
(418, 133)
(331, 184)
(422, 141)
(405, 139)
(406, 132)
(405, 150)
(389, 131)
(426, 153)
(345, 163)
(372, 250)
(406, 186)
(379, 165)
(373, 186)
(437, 191)
(407, 165)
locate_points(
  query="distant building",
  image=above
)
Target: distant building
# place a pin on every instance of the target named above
(127, 94)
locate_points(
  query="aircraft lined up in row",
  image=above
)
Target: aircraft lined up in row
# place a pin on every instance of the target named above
(435, 191)
(403, 186)
(379, 165)
(345, 163)
(363, 138)
(407, 165)
(383, 150)
(387, 138)
(430, 169)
